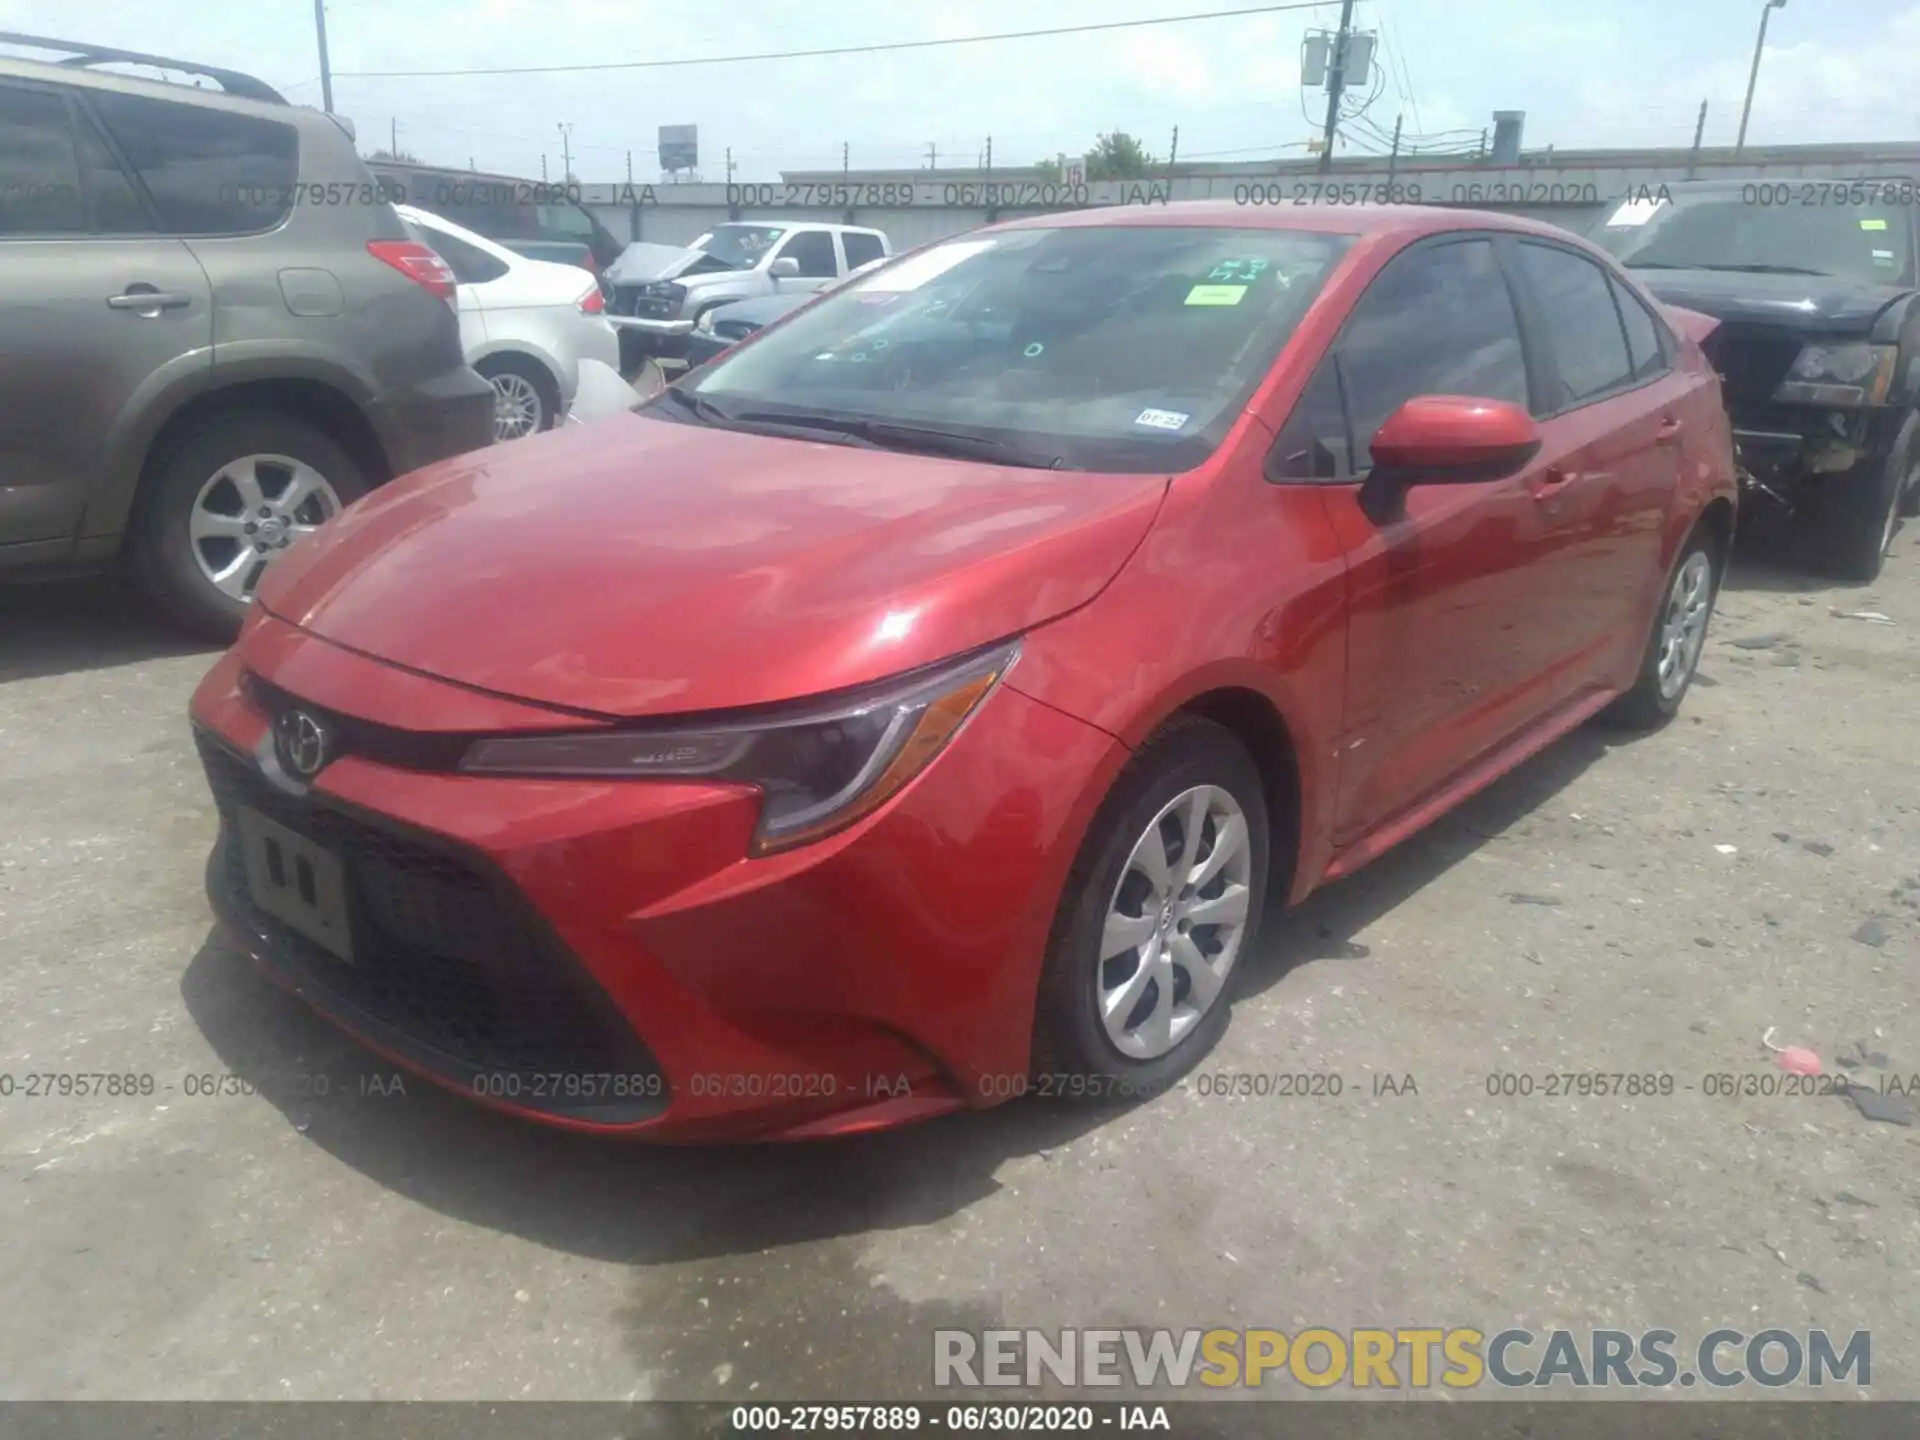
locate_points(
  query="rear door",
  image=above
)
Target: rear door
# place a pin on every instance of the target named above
(1611, 424)
(98, 311)
(1445, 624)
(815, 253)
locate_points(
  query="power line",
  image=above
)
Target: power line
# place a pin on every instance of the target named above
(840, 49)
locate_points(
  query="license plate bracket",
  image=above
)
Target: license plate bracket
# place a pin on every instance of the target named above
(302, 884)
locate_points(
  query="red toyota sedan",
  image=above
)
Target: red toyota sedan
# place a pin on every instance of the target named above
(930, 693)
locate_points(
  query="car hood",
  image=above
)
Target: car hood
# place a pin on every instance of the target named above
(1823, 304)
(643, 261)
(641, 567)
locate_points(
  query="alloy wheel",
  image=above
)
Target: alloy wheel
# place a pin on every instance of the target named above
(1683, 630)
(1175, 923)
(518, 410)
(249, 511)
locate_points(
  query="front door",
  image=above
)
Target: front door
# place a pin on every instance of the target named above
(1446, 636)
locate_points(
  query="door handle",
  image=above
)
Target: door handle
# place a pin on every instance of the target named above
(1551, 482)
(1669, 431)
(154, 300)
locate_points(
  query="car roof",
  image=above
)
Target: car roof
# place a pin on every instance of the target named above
(1401, 221)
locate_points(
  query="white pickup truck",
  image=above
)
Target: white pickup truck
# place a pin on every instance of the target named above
(660, 291)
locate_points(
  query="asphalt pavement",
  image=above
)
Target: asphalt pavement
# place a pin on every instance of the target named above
(284, 1217)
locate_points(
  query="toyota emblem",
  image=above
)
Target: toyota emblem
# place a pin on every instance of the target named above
(301, 743)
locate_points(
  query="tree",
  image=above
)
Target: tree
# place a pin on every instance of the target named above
(1049, 171)
(401, 156)
(1118, 156)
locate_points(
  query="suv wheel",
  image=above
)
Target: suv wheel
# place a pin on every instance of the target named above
(225, 503)
(1859, 513)
(525, 399)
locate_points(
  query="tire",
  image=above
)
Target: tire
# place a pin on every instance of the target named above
(1655, 697)
(197, 573)
(1856, 517)
(1189, 756)
(526, 396)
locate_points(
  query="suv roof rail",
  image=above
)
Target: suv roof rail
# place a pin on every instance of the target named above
(80, 56)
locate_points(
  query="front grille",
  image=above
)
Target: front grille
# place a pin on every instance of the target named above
(450, 969)
(404, 749)
(1752, 360)
(633, 300)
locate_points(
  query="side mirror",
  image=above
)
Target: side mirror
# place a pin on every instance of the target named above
(1445, 440)
(785, 268)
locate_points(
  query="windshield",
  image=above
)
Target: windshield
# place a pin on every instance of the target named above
(1119, 348)
(1728, 230)
(739, 246)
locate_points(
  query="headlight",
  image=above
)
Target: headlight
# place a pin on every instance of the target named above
(704, 325)
(1852, 373)
(819, 768)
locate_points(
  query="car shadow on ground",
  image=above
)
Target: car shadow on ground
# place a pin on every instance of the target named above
(646, 1205)
(58, 627)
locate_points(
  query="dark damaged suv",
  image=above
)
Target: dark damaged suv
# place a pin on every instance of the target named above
(1818, 346)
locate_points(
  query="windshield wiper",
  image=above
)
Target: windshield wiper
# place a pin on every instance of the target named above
(911, 439)
(699, 405)
(1768, 269)
(1653, 265)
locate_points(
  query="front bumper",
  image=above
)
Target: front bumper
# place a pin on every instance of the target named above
(532, 937)
(666, 328)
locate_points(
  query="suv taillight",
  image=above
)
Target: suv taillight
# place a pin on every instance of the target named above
(417, 263)
(593, 302)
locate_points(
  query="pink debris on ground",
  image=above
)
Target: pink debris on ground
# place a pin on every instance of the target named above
(1797, 1061)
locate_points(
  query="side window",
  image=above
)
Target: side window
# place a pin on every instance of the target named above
(1437, 321)
(814, 250)
(211, 172)
(1644, 341)
(1576, 302)
(113, 205)
(470, 264)
(39, 174)
(861, 248)
(1315, 442)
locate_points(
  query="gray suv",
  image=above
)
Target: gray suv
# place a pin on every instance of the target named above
(214, 330)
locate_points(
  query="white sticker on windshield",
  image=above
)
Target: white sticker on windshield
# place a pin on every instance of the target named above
(1633, 212)
(917, 270)
(1883, 257)
(1162, 419)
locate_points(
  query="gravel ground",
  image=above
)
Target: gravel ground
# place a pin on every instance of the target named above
(1650, 907)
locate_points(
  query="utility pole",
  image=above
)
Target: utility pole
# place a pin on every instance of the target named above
(1753, 75)
(989, 154)
(326, 65)
(566, 152)
(1393, 155)
(1173, 151)
(933, 156)
(543, 166)
(1699, 129)
(393, 137)
(1336, 83)
(845, 164)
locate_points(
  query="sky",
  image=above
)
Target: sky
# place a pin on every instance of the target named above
(1602, 73)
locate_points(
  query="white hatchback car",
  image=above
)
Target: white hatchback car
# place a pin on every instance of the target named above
(537, 330)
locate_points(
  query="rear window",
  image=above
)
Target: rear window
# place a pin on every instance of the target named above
(210, 172)
(861, 248)
(1101, 348)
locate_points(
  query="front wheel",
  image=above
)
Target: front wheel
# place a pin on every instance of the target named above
(1162, 904)
(1857, 516)
(1679, 635)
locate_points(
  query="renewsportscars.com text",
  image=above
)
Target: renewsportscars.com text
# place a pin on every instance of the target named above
(1419, 1358)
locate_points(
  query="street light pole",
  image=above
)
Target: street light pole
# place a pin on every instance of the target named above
(1753, 75)
(326, 66)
